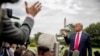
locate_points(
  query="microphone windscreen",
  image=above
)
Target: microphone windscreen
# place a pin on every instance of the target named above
(75, 53)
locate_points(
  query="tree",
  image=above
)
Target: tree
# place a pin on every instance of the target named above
(36, 36)
(71, 27)
(94, 31)
(33, 41)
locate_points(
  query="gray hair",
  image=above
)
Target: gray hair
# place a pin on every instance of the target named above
(79, 24)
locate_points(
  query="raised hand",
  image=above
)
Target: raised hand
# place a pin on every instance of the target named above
(63, 32)
(34, 9)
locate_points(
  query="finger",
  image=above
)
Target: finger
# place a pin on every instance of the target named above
(38, 11)
(39, 8)
(38, 5)
(26, 5)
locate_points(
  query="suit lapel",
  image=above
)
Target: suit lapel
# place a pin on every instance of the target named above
(74, 37)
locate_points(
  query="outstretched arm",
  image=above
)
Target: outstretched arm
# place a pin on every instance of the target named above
(67, 39)
(63, 32)
(14, 35)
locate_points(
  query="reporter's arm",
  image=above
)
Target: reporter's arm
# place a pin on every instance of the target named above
(14, 35)
(64, 33)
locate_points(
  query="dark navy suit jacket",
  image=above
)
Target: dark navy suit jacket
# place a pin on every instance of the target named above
(85, 44)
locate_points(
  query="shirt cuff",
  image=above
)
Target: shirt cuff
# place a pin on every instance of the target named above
(28, 15)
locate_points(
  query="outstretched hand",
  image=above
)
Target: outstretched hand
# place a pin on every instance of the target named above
(34, 9)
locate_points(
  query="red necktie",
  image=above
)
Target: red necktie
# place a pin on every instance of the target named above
(76, 44)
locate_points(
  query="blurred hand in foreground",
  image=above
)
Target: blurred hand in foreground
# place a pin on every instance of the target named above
(34, 9)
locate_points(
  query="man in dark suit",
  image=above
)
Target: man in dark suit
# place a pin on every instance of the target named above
(12, 34)
(79, 41)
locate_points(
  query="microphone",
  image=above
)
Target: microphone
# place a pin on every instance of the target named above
(8, 13)
(15, 17)
(75, 53)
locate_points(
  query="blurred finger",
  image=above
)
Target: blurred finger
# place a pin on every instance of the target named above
(39, 10)
(39, 7)
(26, 6)
(36, 3)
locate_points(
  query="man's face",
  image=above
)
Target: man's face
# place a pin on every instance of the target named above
(78, 27)
(14, 45)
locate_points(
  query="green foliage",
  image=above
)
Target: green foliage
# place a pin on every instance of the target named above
(33, 44)
(37, 36)
(71, 27)
(62, 42)
(33, 41)
(94, 31)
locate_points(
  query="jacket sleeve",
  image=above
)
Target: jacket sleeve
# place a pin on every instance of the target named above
(16, 35)
(89, 46)
(67, 39)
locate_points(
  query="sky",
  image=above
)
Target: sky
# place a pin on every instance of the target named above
(51, 17)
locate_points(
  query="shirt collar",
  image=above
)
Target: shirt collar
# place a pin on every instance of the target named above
(80, 31)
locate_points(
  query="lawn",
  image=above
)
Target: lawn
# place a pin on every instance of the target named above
(93, 49)
(32, 48)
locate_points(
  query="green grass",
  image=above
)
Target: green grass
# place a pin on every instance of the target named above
(93, 49)
(32, 48)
